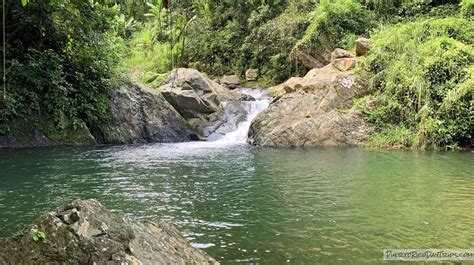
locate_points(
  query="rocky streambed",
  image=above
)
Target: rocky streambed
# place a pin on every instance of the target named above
(84, 232)
(317, 109)
(314, 110)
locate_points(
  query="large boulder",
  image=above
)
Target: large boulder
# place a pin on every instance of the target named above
(231, 81)
(84, 232)
(41, 131)
(192, 94)
(343, 60)
(251, 74)
(198, 99)
(341, 53)
(363, 45)
(139, 114)
(310, 60)
(312, 111)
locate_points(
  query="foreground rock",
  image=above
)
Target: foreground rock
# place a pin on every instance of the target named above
(312, 111)
(198, 99)
(142, 115)
(84, 232)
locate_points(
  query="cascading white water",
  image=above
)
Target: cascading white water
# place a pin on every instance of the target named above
(251, 109)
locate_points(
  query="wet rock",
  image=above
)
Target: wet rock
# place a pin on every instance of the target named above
(139, 114)
(251, 74)
(312, 111)
(226, 121)
(363, 45)
(198, 99)
(98, 237)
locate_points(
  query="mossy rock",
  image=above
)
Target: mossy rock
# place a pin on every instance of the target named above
(41, 132)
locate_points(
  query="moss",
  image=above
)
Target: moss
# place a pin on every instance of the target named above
(30, 132)
(23, 131)
(67, 132)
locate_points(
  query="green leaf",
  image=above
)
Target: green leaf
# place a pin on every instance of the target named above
(24, 2)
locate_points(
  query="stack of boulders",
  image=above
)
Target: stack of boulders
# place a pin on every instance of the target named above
(316, 109)
(198, 99)
(344, 60)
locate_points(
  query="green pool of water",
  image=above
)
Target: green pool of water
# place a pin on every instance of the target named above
(257, 205)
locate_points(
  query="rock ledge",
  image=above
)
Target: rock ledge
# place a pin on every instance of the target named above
(84, 232)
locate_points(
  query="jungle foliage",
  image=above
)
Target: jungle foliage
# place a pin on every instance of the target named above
(60, 58)
(422, 74)
(63, 57)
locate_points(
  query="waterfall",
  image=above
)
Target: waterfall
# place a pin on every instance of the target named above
(250, 108)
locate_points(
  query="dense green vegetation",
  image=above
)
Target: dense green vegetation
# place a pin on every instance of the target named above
(422, 74)
(60, 61)
(63, 57)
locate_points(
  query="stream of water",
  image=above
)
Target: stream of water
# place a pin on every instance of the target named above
(246, 204)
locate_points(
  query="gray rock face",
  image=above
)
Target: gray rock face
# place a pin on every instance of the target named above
(312, 111)
(198, 99)
(139, 114)
(84, 232)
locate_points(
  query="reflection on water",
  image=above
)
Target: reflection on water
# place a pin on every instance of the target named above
(245, 204)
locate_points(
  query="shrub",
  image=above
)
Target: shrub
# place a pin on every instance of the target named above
(335, 24)
(60, 61)
(467, 8)
(422, 74)
(268, 45)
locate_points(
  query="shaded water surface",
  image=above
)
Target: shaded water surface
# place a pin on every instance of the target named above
(267, 206)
